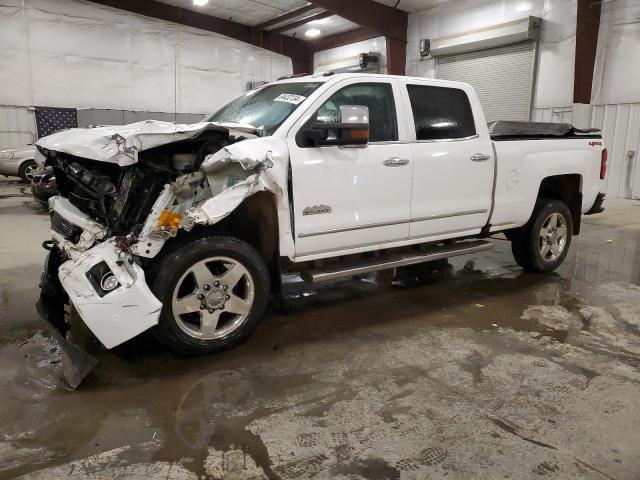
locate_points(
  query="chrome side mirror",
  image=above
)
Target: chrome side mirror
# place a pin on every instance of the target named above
(352, 129)
(354, 125)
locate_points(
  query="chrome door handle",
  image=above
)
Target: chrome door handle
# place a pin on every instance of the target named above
(480, 157)
(395, 162)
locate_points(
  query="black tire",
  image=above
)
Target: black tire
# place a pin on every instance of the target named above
(171, 269)
(526, 243)
(25, 168)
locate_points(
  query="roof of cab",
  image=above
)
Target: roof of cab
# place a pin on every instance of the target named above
(329, 76)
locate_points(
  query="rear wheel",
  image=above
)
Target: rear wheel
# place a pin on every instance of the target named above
(543, 243)
(214, 292)
(27, 169)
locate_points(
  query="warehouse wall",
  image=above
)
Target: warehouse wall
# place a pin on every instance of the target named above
(554, 83)
(616, 91)
(616, 94)
(336, 55)
(72, 53)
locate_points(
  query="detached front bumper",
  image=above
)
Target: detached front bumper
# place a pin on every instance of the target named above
(105, 286)
(113, 315)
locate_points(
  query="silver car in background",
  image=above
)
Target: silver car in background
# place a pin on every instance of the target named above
(18, 162)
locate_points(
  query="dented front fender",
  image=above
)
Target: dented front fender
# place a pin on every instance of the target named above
(238, 171)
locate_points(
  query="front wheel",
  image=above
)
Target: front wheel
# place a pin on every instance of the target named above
(543, 243)
(214, 292)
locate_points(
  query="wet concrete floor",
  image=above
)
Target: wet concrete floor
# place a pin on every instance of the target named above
(472, 370)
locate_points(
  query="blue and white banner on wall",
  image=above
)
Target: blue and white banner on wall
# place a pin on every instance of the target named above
(49, 120)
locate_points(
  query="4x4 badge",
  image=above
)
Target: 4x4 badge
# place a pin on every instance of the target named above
(316, 210)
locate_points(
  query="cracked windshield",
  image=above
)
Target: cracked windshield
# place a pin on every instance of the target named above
(265, 108)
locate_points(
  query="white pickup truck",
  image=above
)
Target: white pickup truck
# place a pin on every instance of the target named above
(188, 229)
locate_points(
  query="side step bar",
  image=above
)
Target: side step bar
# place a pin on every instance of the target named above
(369, 265)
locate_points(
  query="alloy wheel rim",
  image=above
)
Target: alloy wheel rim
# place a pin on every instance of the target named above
(553, 237)
(213, 298)
(29, 171)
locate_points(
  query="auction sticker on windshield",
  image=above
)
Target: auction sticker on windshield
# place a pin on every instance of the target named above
(289, 98)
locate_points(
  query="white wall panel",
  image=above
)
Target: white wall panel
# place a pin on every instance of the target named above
(333, 55)
(620, 124)
(553, 114)
(73, 53)
(554, 82)
(17, 125)
(615, 78)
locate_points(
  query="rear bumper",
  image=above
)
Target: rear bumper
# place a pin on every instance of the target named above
(597, 205)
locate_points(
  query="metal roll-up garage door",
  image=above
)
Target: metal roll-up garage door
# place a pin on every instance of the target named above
(503, 78)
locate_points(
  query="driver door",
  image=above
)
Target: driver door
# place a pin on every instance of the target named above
(349, 199)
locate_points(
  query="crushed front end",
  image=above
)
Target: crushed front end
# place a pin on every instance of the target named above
(136, 187)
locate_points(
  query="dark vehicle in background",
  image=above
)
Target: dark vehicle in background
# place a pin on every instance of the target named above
(43, 185)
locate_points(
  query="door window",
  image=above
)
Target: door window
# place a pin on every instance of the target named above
(383, 126)
(441, 113)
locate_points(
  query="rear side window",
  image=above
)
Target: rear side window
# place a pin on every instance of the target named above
(441, 113)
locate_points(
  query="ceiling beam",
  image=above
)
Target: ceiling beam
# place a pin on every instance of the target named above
(384, 20)
(587, 26)
(343, 38)
(396, 56)
(303, 21)
(294, 48)
(286, 17)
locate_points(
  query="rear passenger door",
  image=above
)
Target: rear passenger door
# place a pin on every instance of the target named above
(453, 160)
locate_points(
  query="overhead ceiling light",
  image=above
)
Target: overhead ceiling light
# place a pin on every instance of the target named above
(200, 3)
(313, 32)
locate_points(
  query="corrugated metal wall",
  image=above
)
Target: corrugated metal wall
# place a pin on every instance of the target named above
(620, 125)
(17, 126)
(553, 114)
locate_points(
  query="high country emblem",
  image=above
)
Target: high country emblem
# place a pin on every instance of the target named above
(316, 210)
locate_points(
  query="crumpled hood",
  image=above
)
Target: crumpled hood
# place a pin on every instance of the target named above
(120, 144)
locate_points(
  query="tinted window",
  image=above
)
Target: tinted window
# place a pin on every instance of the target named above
(440, 113)
(265, 108)
(382, 111)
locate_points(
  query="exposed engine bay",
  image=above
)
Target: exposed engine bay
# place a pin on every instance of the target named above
(121, 198)
(123, 192)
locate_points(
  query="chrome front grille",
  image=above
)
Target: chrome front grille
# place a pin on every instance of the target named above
(65, 228)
